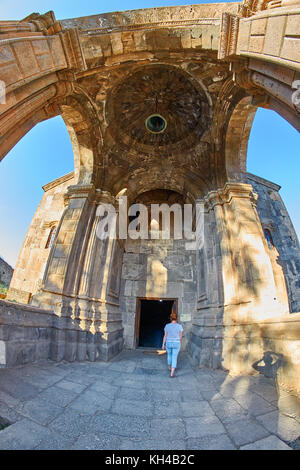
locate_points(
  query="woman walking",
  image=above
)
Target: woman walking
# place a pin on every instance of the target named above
(172, 341)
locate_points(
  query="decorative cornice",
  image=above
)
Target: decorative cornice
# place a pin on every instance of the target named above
(104, 197)
(79, 191)
(225, 195)
(228, 35)
(88, 191)
(260, 180)
(58, 181)
(73, 50)
(45, 23)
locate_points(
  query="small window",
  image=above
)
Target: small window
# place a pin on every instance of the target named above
(268, 237)
(51, 237)
(156, 123)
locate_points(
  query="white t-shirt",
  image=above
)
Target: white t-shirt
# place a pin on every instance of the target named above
(173, 331)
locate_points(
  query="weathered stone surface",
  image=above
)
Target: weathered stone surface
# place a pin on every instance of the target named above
(109, 76)
(104, 415)
(268, 443)
(6, 272)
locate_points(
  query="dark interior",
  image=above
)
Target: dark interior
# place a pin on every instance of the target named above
(155, 314)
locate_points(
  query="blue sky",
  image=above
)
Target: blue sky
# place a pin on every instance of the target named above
(18, 9)
(45, 153)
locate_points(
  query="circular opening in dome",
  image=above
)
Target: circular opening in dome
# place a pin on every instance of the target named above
(156, 123)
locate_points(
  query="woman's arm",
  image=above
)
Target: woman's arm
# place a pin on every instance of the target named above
(180, 336)
(164, 341)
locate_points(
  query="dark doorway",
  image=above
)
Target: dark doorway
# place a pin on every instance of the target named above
(152, 317)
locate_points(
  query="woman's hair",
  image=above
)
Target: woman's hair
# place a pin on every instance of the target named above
(173, 316)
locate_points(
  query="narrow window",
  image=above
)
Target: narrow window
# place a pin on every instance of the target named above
(268, 237)
(51, 237)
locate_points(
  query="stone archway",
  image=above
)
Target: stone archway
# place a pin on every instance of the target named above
(206, 69)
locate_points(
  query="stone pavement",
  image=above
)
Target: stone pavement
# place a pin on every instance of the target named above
(131, 403)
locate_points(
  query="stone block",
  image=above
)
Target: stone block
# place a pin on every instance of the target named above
(131, 426)
(57, 350)
(204, 426)
(274, 33)
(20, 352)
(23, 435)
(258, 26)
(268, 443)
(42, 350)
(256, 44)
(290, 49)
(2, 352)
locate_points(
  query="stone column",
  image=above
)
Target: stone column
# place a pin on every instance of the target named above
(245, 285)
(249, 286)
(98, 293)
(81, 282)
(59, 283)
(58, 292)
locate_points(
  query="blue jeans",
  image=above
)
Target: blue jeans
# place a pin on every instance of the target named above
(173, 348)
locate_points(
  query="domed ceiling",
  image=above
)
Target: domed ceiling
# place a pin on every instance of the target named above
(157, 107)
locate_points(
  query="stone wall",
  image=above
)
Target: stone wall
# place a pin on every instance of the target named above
(25, 334)
(243, 322)
(6, 272)
(271, 347)
(29, 334)
(32, 259)
(158, 269)
(286, 250)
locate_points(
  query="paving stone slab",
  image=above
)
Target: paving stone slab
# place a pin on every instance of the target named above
(132, 407)
(227, 410)
(254, 404)
(40, 410)
(71, 386)
(167, 428)
(283, 426)
(90, 401)
(165, 410)
(164, 396)
(211, 395)
(58, 395)
(188, 395)
(133, 394)
(20, 389)
(290, 406)
(71, 423)
(146, 372)
(55, 441)
(267, 391)
(22, 435)
(91, 441)
(196, 408)
(131, 383)
(204, 426)
(9, 400)
(122, 367)
(42, 380)
(153, 444)
(218, 442)
(269, 443)
(80, 378)
(130, 426)
(108, 390)
(9, 414)
(246, 431)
